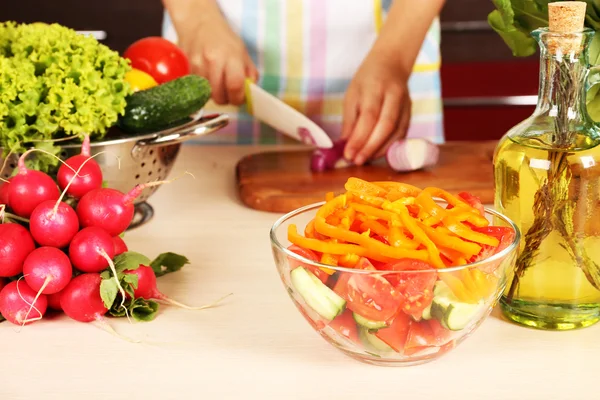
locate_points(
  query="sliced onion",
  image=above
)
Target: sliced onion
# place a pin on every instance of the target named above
(412, 154)
(326, 159)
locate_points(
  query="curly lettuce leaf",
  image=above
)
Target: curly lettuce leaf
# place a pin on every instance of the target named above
(56, 83)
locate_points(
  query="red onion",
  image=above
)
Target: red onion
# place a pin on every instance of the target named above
(326, 159)
(412, 154)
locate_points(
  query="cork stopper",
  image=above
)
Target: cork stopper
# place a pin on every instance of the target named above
(566, 17)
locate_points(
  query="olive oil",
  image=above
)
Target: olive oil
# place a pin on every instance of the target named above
(554, 291)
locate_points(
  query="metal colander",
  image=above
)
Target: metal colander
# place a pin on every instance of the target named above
(143, 158)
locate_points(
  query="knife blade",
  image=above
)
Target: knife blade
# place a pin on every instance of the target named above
(270, 110)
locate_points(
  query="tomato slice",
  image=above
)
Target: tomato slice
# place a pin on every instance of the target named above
(345, 325)
(317, 324)
(395, 335)
(414, 282)
(370, 296)
(311, 255)
(473, 201)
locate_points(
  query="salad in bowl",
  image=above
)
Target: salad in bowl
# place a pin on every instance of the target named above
(392, 274)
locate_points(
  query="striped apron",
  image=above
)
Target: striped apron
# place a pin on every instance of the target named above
(306, 52)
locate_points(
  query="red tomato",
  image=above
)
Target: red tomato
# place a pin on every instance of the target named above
(504, 235)
(441, 335)
(370, 296)
(395, 335)
(158, 57)
(311, 255)
(473, 201)
(420, 334)
(415, 288)
(345, 325)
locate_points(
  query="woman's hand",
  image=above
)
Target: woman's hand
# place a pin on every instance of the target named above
(377, 109)
(215, 51)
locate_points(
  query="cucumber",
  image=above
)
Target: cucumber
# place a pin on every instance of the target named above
(452, 313)
(367, 323)
(165, 105)
(427, 312)
(372, 342)
(316, 294)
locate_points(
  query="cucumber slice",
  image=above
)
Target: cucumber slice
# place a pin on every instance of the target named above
(367, 323)
(427, 313)
(452, 313)
(370, 341)
(459, 315)
(316, 294)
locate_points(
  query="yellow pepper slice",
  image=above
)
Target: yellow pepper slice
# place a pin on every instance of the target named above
(451, 242)
(460, 229)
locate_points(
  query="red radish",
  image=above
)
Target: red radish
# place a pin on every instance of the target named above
(15, 245)
(53, 224)
(412, 154)
(110, 209)
(326, 159)
(17, 300)
(87, 248)
(54, 301)
(47, 270)
(86, 179)
(120, 245)
(147, 288)
(4, 191)
(29, 188)
(81, 300)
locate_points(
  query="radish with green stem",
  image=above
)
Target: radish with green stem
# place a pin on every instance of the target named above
(148, 290)
(53, 224)
(81, 300)
(29, 188)
(87, 246)
(56, 223)
(17, 299)
(86, 179)
(110, 209)
(16, 244)
(47, 270)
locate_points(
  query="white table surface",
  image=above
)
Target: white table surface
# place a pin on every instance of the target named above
(256, 345)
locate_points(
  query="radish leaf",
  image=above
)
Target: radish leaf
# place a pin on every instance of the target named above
(166, 263)
(139, 309)
(108, 292)
(130, 261)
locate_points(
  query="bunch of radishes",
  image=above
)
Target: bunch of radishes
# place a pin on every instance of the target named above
(64, 251)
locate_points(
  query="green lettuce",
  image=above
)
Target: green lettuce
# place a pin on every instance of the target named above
(56, 83)
(514, 20)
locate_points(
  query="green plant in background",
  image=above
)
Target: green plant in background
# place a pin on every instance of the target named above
(56, 83)
(514, 20)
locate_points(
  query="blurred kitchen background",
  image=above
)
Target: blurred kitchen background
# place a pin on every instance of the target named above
(485, 89)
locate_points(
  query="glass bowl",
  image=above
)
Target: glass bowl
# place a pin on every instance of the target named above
(404, 316)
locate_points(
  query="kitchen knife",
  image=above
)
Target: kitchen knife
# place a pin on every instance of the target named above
(270, 110)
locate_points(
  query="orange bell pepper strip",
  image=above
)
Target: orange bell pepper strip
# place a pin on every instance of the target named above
(460, 229)
(362, 187)
(348, 260)
(451, 242)
(373, 245)
(469, 216)
(329, 196)
(397, 238)
(309, 231)
(456, 258)
(398, 189)
(411, 225)
(332, 247)
(375, 226)
(373, 211)
(435, 213)
(329, 259)
(455, 201)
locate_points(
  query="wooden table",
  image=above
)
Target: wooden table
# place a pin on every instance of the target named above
(256, 345)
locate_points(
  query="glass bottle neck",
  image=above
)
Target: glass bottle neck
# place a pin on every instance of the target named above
(562, 88)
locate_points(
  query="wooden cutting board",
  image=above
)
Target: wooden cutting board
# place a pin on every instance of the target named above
(282, 181)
